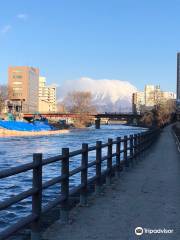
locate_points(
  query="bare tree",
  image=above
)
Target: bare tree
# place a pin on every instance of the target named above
(80, 103)
(3, 96)
(164, 111)
(61, 107)
(160, 115)
(148, 118)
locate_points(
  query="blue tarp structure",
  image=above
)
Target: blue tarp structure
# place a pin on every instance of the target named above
(36, 126)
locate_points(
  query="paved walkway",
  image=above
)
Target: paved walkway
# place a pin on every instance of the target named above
(147, 196)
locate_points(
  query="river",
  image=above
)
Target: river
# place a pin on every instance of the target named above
(18, 150)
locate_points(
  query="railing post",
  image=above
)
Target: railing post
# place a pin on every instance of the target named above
(150, 138)
(118, 157)
(145, 139)
(135, 147)
(143, 144)
(97, 123)
(125, 152)
(109, 162)
(139, 143)
(65, 185)
(131, 149)
(84, 174)
(37, 197)
(98, 167)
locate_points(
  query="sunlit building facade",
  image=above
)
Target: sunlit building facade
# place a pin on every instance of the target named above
(138, 101)
(23, 86)
(178, 87)
(151, 97)
(47, 97)
(178, 76)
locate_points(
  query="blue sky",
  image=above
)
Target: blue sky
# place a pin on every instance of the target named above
(133, 40)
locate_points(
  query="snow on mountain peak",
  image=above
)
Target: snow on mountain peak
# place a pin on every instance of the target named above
(108, 94)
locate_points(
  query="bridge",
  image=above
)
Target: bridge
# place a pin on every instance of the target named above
(129, 118)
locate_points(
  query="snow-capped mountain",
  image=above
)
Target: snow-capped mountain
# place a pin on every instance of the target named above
(108, 95)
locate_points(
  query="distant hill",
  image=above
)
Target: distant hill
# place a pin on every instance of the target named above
(108, 95)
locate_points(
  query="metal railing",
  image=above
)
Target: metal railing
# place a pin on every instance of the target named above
(126, 150)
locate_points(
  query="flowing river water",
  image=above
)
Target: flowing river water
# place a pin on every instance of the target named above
(18, 150)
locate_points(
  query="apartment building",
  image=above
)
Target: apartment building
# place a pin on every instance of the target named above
(138, 101)
(149, 98)
(167, 96)
(23, 87)
(47, 97)
(178, 87)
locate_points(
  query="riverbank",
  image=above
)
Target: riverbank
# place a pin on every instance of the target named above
(147, 196)
(19, 150)
(11, 133)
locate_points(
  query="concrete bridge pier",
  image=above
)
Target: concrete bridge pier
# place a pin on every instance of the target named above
(97, 123)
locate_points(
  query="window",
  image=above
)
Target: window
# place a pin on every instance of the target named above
(17, 94)
(17, 83)
(17, 71)
(17, 76)
(17, 89)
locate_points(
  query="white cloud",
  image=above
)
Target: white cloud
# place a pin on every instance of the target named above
(5, 29)
(109, 94)
(22, 16)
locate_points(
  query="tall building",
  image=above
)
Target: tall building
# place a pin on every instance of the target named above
(151, 97)
(167, 96)
(178, 88)
(178, 76)
(47, 96)
(23, 84)
(138, 101)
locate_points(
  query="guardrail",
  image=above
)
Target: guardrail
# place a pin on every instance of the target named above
(127, 149)
(176, 133)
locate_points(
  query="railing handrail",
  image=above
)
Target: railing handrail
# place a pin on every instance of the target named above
(134, 144)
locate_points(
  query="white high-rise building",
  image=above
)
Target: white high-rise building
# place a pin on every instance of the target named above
(47, 97)
(151, 97)
(138, 101)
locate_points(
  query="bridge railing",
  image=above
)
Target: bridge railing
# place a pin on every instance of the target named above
(121, 153)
